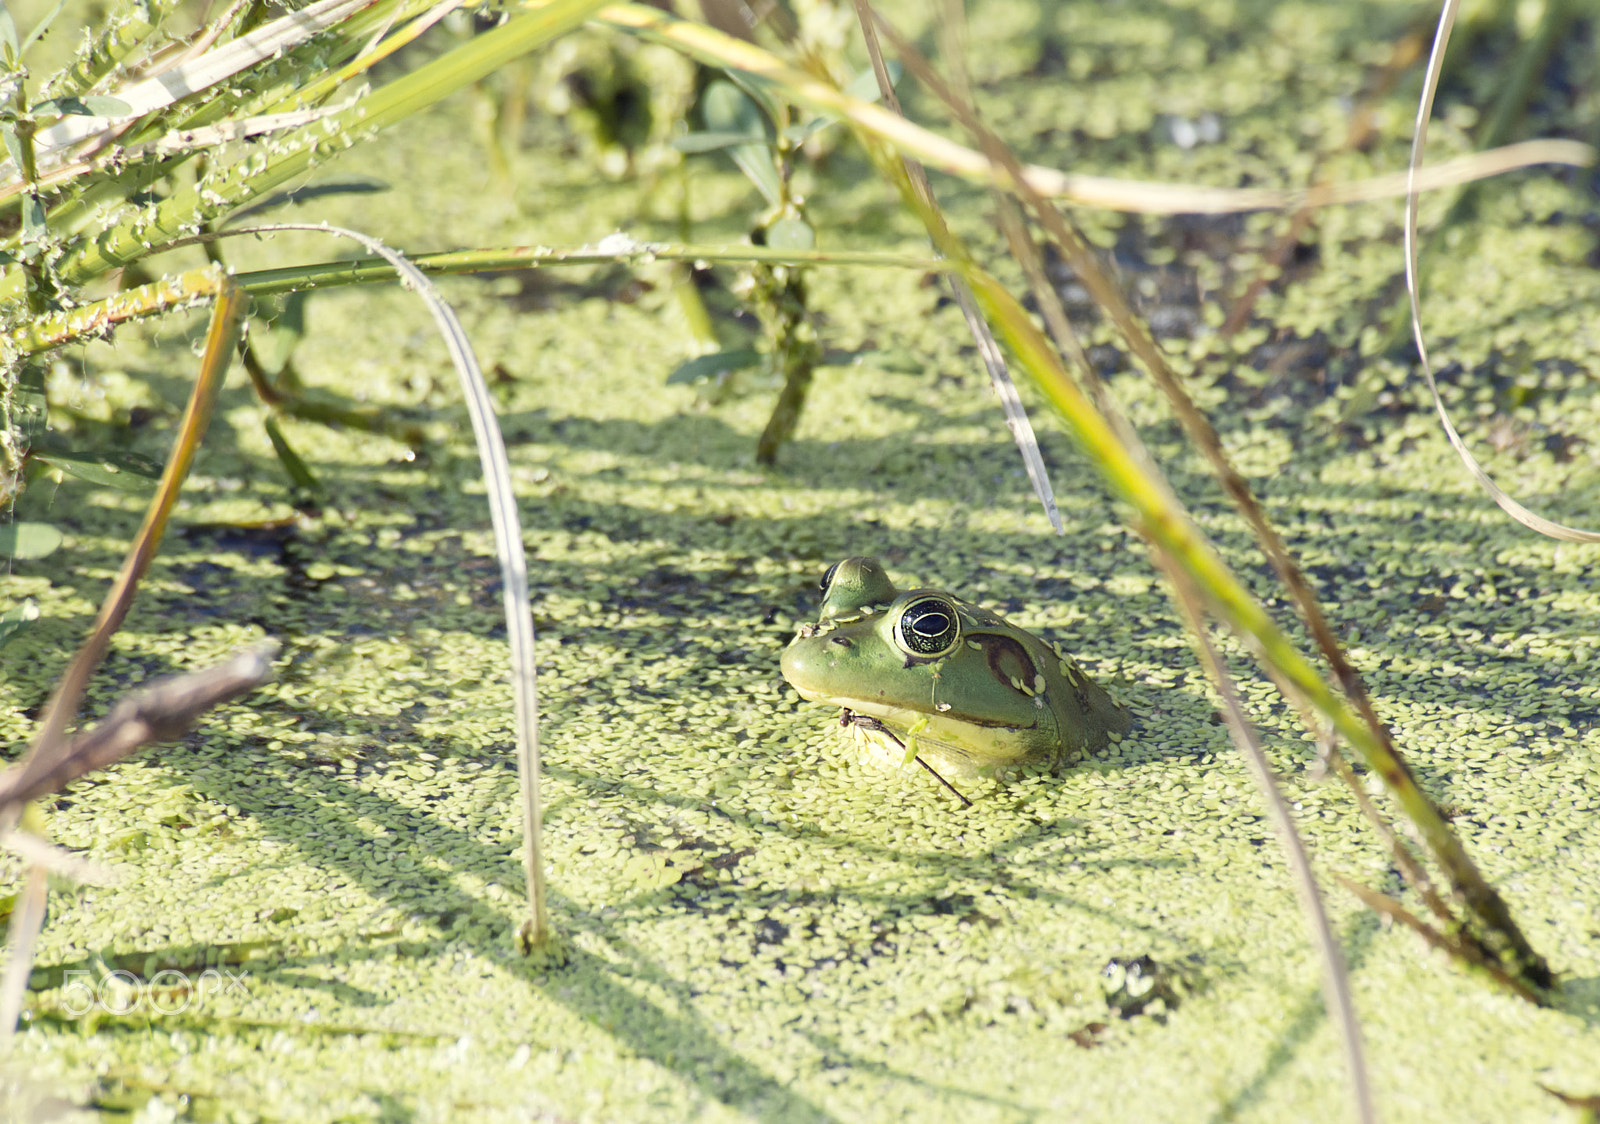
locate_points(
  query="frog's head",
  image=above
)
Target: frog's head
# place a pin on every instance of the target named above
(921, 661)
(973, 689)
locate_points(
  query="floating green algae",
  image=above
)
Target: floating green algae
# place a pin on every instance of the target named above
(761, 926)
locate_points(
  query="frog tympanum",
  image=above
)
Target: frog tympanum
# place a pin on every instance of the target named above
(923, 675)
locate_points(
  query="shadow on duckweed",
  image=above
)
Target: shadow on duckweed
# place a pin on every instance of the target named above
(593, 987)
(588, 984)
(670, 590)
(1404, 592)
(1356, 937)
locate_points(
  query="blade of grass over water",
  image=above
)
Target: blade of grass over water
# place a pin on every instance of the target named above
(1419, 140)
(1493, 923)
(993, 361)
(1335, 976)
(535, 937)
(27, 919)
(614, 249)
(221, 338)
(168, 294)
(50, 744)
(156, 297)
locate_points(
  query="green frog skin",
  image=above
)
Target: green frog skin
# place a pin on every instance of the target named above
(946, 680)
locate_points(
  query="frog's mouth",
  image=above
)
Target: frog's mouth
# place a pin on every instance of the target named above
(895, 717)
(902, 718)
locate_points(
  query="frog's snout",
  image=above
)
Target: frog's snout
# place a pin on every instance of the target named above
(800, 664)
(789, 663)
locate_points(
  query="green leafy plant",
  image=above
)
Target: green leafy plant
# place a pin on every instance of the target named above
(761, 135)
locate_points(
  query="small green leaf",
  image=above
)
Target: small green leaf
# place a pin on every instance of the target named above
(717, 363)
(33, 225)
(799, 134)
(8, 131)
(15, 620)
(728, 109)
(710, 142)
(791, 234)
(125, 472)
(758, 89)
(8, 36)
(299, 473)
(103, 105)
(760, 168)
(94, 106)
(28, 540)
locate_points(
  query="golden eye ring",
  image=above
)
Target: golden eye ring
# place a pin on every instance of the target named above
(927, 627)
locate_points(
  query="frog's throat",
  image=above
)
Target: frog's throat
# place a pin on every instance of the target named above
(886, 748)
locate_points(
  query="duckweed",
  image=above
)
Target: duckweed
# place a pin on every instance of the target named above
(761, 925)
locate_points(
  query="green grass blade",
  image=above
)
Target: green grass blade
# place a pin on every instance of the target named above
(535, 936)
(230, 187)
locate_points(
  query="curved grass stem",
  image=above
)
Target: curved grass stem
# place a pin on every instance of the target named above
(535, 936)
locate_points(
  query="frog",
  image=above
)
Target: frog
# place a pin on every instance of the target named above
(923, 675)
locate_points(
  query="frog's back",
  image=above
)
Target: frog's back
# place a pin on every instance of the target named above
(1086, 718)
(1090, 718)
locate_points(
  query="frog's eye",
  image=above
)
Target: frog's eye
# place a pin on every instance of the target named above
(827, 578)
(928, 627)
